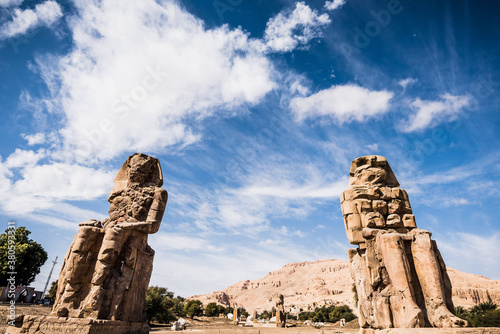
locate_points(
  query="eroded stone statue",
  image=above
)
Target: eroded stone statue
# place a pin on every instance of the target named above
(400, 276)
(280, 311)
(106, 272)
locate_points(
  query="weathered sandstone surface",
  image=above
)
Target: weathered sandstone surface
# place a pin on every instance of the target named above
(105, 274)
(400, 275)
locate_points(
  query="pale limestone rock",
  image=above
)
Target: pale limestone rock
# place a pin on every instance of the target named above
(107, 268)
(308, 284)
(280, 311)
(400, 277)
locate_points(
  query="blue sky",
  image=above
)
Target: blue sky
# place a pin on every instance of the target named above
(255, 110)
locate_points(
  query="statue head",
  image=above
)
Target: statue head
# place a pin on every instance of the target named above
(139, 170)
(370, 171)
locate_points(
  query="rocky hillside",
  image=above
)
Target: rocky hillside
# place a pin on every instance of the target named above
(306, 285)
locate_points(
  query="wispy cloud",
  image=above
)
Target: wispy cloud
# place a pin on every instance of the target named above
(428, 114)
(460, 173)
(468, 184)
(64, 216)
(232, 260)
(294, 191)
(10, 3)
(407, 82)
(469, 252)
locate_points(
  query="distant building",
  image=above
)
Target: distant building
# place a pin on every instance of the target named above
(23, 294)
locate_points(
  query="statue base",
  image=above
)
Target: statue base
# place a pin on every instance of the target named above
(52, 325)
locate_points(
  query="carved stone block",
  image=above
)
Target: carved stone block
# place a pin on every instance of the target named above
(400, 277)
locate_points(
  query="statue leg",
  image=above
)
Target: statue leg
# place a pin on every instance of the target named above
(406, 313)
(429, 275)
(110, 249)
(123, 283)
(73, 279)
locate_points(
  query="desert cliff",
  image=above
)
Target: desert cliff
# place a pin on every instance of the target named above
(306, 285)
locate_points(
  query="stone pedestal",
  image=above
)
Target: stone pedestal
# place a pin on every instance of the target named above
(53, 325)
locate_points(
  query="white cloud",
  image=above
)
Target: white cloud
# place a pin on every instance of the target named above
(332, 5)
(428, 114)
(10, 3)
(296, 87)
(63, 181)
(142, 72)
(22, 158)
(44, 14)
(267, 192)
(407, 82)
(28, 185)
(35, 139)
(344, 103)
(287, 30)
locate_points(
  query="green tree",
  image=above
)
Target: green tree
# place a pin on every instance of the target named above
(243, 312)
(340, 312)
(481, 315)
(489, 318)
(303, 316)
(28, 258)
(460, 310)
(212, 310)
(193, 308)
(321, 314)
(178, 308)
(53, 290)
(221, 310)
(487, 306)
(160, 305)
(265, 315)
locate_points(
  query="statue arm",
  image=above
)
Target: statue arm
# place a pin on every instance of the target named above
(157, 209)
(91, 222)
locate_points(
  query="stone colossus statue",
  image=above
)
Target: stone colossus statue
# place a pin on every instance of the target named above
(400, 276)
(107, 268)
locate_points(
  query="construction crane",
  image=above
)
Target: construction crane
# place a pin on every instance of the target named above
(48, 279)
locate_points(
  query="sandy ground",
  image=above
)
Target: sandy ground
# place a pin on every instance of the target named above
(225, 326)
(257, 329)
(327, 330)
